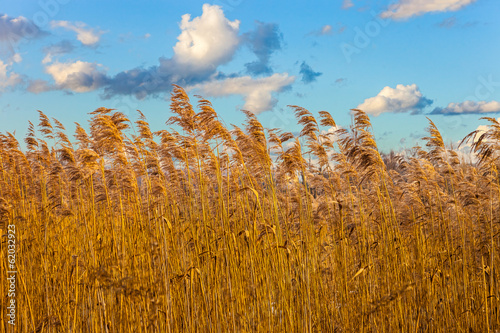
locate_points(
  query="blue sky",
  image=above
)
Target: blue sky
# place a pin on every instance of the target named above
(401, 61)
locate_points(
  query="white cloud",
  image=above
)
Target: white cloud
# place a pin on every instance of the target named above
(407, 8)
(346, 4)
(87, 36)
(14, 29)
(400, 99)
(464, 151)
(8, 79)
(469, 107)
(257, 92)
(326, 29)
(206, 41)
(17, 58)
(78, 76)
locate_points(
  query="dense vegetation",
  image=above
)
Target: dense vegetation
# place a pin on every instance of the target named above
(210, 229)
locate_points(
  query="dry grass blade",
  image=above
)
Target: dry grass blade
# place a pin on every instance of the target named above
(201, 228)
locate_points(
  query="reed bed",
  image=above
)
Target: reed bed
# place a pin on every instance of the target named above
(205, 228)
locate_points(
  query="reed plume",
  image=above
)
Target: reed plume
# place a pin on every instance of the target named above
(203, 227)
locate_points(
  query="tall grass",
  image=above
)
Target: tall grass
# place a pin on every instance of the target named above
(210, 229)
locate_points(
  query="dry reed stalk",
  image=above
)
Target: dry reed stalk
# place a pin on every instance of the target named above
(204, 228)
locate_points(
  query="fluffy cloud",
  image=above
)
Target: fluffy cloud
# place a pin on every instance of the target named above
(8, 80)
(204, 43)
(400, 99)
(78, 76)
(308, 75)
(346, 4)
(468, 107)
(87, 36)
(263, 41)
(14, 29)
(258, 93)
(407, 8)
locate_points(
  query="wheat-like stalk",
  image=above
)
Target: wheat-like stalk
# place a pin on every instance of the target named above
(201, 227)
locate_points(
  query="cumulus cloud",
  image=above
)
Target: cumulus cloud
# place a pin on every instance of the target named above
(400, 99)
(263, 41)
(14, 29)
(468, 107)
(346, 4)
(257, 93)
(63, 47)
(86, 35)
(204, 43)
(404, 9)
(8, 80)
(76, 76)
(308, 75)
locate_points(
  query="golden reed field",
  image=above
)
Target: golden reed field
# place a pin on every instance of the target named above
(247, 229)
